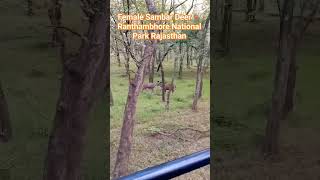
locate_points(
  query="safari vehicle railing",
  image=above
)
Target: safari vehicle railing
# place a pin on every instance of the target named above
(173, 168)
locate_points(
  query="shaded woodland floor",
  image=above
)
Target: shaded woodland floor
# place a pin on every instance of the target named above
(30, 72)
(243, 87)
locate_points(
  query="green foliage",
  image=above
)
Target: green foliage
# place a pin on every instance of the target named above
(150, 104)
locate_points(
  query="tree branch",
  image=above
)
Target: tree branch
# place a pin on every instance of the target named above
(69, 30)
(190, 7)
(164, 55)
(173, 8)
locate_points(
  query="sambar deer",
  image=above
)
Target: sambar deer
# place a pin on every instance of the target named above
(150, 86)
(169, 87)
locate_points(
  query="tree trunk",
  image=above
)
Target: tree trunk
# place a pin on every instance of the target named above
(30, 8)
(127, 65)
(188, 58)
(117, 52)
(251, 8)
(198, 88)
(163, 83)
(158, 59)
(286, 42)
(191, 57)
(121, 165)
(216, 10)
(168, 100)
(172, 81)
(151, 75)
(124, 151)
(201, 84)
(181, 63)
(226, 27)
(198, 85)
(84, 80)
(54, 13)
(222, 7)
(160, 66)
(291, 93)
(5, 125)
(284, 91)
(261, 5)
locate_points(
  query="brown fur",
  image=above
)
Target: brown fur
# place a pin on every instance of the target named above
(169, 87)
(150, 86)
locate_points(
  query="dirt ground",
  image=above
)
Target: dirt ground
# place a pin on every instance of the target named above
(167, 137)
(297, 160)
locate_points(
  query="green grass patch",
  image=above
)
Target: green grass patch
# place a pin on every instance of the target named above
(150, 103)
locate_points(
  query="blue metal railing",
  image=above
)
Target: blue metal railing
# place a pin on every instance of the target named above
(173, 168)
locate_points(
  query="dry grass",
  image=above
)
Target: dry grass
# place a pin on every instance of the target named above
(167, 137)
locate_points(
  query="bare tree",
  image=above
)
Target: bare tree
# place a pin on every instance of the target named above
(291, 32)
(261, 5)
(163, 82)
(117, 51)
(215, 9)
(160, 67)
(84, 80)
(226, 27)
(201, 83)
(191, 56)
(308, 11)
(30, 11)
(188, 57)
(151, 66)
(181, 54)
(5, 124)
(251, 10)
(124, 150)
(198, 88)
(172, 79)
(54, 13)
